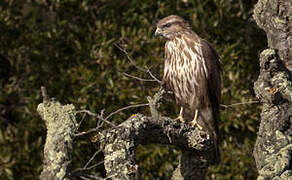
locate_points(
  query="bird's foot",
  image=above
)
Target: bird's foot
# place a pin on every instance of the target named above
(195, 123)
(180, 119)
(180, 116)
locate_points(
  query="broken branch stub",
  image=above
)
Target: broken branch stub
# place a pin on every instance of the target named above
(61, 125)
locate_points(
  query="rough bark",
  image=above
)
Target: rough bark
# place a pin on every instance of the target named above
(119, 145)
(60, 122)
(273, 148)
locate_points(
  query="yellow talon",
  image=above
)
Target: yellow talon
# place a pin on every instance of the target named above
(180, 116)
(194, 122)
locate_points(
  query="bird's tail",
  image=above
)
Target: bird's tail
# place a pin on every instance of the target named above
(209, 121)
(217, 152)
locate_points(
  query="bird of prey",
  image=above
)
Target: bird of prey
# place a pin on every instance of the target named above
(192, 72)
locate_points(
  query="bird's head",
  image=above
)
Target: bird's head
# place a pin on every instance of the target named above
(170, 26)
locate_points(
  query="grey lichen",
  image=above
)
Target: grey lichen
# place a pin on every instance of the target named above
(154, 103)
(273, 148)
(278, 162)
(283, 84)
(199, 140)
(274, 81)
(258, 14)
(119, 145)
(61, 123)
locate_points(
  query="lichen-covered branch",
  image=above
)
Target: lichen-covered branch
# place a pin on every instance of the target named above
(273, 148)
(154, 103)
(60, 122)
(119, 144)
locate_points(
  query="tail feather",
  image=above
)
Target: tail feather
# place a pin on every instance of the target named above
(208, 121)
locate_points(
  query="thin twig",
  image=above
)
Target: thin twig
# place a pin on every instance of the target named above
(83, 118)
(95, 177)
(87, 132)
(89, 177)
(95, 165)
(87, 168)
(99, 124)
(130, 58)
(237, 104)
(84, 178)
(150, 73)
(97, 116)
(140, 79)
(124, 108)
(91, 159)
(147, 70)
(105, 119)
(44, 94)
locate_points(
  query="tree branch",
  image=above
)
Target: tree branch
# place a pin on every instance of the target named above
(61, 125)
(119, 144)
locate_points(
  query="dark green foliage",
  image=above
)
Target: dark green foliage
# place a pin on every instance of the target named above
(68, 46)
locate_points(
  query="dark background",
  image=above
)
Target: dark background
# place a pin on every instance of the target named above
(68, 46)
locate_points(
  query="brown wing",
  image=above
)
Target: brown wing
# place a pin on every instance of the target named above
(213, 79)
(214, 90)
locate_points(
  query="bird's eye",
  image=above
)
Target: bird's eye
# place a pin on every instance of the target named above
(167, 25)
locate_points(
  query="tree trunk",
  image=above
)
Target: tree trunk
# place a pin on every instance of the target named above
(273, 148)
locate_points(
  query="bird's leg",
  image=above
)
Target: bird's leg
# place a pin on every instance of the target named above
(194, 122)
(180, 116)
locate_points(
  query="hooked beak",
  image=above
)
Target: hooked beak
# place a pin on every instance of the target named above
(158, 32)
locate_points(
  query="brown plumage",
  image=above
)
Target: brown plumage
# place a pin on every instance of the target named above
(192, 72)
